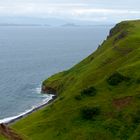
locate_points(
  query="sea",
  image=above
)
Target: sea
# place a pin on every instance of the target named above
(30, 54)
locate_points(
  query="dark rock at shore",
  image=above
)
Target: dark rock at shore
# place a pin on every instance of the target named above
(48, 90)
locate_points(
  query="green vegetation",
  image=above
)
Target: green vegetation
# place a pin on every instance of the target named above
(113, 112)
(90, 113)
(91, 91)
(117, 78)
(2, 138)
(87, 92)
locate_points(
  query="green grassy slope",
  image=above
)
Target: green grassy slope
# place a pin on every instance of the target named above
(99, 98)
(2, 138)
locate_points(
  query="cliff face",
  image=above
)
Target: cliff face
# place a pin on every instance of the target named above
(99, 98)
(48, 90)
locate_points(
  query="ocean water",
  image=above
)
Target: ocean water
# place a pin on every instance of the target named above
(28, 55)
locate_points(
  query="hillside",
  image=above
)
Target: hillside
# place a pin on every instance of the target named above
(99, 98)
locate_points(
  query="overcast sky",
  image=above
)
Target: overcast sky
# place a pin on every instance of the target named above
(94, 10)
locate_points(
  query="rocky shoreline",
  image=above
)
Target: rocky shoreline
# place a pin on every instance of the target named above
(17, 118)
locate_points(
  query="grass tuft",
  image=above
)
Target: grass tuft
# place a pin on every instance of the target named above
(90, 113)
(116, 78)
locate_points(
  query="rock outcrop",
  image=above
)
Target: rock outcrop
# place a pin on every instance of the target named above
(48, 90)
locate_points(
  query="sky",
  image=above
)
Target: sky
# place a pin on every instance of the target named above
(82, 10)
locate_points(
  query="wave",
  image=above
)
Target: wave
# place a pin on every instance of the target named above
(38, 89)
(26, 112)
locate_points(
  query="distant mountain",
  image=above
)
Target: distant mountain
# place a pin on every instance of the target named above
(70, 25)
(47, 21)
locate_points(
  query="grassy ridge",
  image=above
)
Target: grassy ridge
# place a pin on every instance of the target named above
(99, 98)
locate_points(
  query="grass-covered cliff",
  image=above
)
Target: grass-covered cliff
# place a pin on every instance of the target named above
(98, 99)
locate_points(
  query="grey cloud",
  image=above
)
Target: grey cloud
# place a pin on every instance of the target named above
(94, 10)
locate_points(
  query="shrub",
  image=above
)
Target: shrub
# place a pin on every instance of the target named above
(91, 91)
(116, 78)
(78, 97)
(89, 113)
(138, 81)
(136, 117)
(61, 98)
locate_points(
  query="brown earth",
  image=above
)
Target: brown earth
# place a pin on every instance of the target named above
(122, 102)
(9, 133)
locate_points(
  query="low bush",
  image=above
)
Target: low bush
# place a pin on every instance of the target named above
(116, 78)
(138, 81)
(91, 91)
(136, 117)
(89, 113)
(78, 97)
(88, 92)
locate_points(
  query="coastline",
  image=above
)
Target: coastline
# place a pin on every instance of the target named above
(11, 120)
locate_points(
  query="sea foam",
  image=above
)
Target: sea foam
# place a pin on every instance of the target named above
(26, 112)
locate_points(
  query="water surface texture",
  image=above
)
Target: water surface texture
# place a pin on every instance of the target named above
(29, 55)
